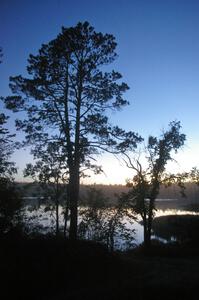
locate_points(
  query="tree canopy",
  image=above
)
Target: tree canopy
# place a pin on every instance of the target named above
(146, 183)
(66, 97)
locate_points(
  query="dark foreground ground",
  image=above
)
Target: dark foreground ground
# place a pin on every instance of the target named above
(57, 270)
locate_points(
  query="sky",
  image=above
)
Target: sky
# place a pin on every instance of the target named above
(158, 56)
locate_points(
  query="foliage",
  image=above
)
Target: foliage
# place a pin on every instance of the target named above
(145, 185)
(67, 97)
(7, 168)
(105, 225)
(10, 203)
(10, 207)
(49, 171)
(194, 175)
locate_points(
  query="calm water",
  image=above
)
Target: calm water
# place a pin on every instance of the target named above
(139, 235)
(45, 220)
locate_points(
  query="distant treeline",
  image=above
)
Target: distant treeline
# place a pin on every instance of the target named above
(110, 192)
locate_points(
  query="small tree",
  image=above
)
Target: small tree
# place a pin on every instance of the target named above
(7, 168)
(146, 183)
(193, 175)
(67, 96)
(50, 172)
(10, 207)
(10, 202)
(105, 224)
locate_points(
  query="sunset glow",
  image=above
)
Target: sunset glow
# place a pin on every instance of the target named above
(158, 50)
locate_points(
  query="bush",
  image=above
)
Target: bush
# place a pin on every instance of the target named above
(10, 207)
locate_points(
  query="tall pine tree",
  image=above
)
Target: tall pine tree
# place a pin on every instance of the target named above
(67, 96)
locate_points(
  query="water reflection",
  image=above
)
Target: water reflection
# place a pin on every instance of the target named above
(45, 221)
(167, 212)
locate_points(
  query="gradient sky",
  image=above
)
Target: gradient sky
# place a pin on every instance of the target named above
(158, 48)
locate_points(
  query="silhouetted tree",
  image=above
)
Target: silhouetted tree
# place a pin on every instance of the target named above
(10, 203)
(10, 207)
(194, 175)
(66, 97)
(7, 168)
(145, 185)
(105, 224)
(49, 171)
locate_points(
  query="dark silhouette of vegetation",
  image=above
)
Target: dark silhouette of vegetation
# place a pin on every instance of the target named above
(104, 224)
(58, 269)
(7, 168)
(49, 171)
(66, 97)
(181, 228)
(194, 175)
(10, 208)
(10, 203)
(145, 185)
(192, 207)
(169, 196)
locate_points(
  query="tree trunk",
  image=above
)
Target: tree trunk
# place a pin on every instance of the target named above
(66, 218)
(73, 198)
(147, 243)
(149, 224)
(147, 235)
(57, 216)
(145, 232)
(145, 219)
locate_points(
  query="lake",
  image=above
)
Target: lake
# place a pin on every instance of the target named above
(139, 236)
(45, 221)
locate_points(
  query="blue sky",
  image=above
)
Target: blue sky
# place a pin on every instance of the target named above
(158, 48)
